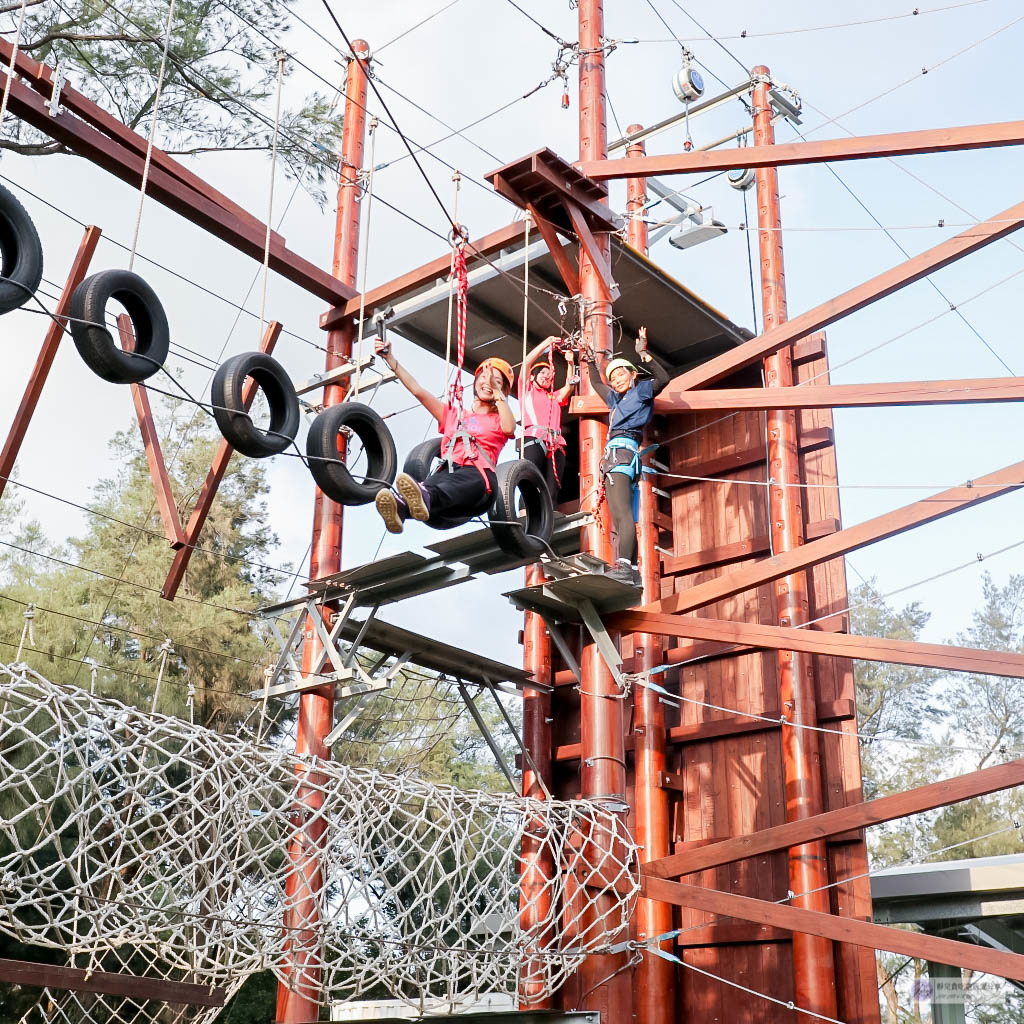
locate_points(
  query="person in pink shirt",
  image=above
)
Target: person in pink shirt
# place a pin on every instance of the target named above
(541, 410)
(471, 441)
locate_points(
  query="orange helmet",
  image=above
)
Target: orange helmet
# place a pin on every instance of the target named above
(503, 367)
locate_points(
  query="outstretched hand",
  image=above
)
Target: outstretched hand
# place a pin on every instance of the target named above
(381, 347)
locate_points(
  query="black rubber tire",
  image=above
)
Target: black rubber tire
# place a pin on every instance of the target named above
(96, 344)
(522, 478)
(334, 478)
(234, 422)
(21, 254)
(419, 463)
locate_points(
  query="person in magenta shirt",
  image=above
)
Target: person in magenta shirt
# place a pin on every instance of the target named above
(541, 410)
(471, 442)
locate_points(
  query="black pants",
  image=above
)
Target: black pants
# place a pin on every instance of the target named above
(459, 494)
(536, 451)
(618, 490)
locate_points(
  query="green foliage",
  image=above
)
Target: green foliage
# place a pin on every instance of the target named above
(965, 722)
(221, 69)
(215, 647)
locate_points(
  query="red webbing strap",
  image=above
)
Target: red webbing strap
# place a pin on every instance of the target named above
(461, 305)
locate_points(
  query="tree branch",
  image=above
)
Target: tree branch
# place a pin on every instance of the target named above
(7, 8)
(33, 148)
(52, 37)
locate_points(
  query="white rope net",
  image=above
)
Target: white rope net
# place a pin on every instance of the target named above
(136, 843)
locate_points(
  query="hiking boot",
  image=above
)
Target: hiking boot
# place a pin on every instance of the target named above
(415, 496)
(391, 509)
(624, 572)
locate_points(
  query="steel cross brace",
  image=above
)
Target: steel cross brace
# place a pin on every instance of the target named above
(468, 700)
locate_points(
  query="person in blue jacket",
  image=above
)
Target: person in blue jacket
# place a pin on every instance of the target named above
(630, 399)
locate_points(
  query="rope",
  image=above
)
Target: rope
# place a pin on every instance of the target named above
(461, 306)
(281, 56)
(365, 251)
(526, 312)
(152, 132)
(446, 378)
(14, 61)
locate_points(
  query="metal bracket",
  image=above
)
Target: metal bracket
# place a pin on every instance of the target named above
(59, 78)
(347, 369)
(488, 738)
(555, 632)
(608, 651)
(527, 756)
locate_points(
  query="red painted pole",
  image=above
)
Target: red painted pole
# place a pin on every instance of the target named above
(813, 958)
(298, 997)
(538, 866)
(602, 725)
(47, 354)
(655, 981)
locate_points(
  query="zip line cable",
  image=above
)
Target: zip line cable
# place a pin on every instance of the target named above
(419, 24)
(558, 39)
(744, 34)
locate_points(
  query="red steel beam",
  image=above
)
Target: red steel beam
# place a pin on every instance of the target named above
(848, 396)
(843, 819)
(928, 510)
(814, 971)
(48, 352)
(218, 468)
(132, 986)
(839, 929)
(300, 992)
(151, 442)
(839, 645)
(564, 264)
(859, 147)
(41, 78)
(428, 273)
(244, 234)
(878, 287)
(655, 985)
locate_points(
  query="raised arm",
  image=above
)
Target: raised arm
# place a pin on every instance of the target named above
(430, 402)
(651, 365)
(535, 353)
(570, 377)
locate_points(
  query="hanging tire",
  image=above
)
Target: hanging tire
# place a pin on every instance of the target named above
(334, 477)
(529, 538)
(104, 356)
(21, 254)
(234, 422)
(419, 463)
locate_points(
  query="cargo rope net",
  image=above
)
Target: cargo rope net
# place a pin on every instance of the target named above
(136, 843)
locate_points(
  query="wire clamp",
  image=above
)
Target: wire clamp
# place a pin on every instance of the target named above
(59, 78)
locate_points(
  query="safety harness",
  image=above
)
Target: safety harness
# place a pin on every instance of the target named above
(473, 453)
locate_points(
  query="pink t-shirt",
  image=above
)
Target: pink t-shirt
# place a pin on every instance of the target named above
(542, 414)
(484, 428)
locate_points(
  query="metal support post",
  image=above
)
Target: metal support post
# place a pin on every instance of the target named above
(298, 996)
(654, 990)
(813, 956)
(605, 981)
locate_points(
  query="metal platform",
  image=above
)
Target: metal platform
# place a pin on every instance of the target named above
(580, 590)
(684, 329)
(451, 561)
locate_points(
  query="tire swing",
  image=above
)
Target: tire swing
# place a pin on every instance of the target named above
(21, 254)
(236, 424)
(105, 357)
(331, 474)
(527, 537)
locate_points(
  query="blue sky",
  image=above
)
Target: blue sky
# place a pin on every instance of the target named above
(479, 54)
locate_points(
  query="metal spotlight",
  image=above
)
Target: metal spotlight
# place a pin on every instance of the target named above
(699, 226)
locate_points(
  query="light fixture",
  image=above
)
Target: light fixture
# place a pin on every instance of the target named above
(698, 226)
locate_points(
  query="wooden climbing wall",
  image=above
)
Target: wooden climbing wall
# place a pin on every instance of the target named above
(725, 769)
